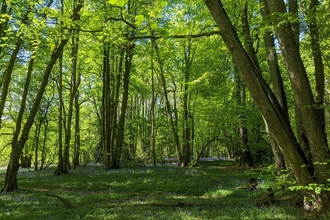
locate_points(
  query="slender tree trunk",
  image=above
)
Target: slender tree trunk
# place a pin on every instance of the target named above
(168, 106)
(43, 153)
(188, 59)
(37, 138)
(13, 165)
(278, 87)
(12, 60)
(76, 154)
(241, 91)
(11, 174)
(115, 163)
(318, 61)
(59, 169)
(106, 111)
(152, 110)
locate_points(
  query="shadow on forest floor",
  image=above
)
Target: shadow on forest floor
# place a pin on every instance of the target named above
(163, 192)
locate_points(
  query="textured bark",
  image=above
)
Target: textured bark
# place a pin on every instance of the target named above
(318, 61)
(277, 83)
(305, 104)
(268, 105)
(241, 90)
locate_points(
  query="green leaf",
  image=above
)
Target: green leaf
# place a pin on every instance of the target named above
(113, 2)
(153, 26)
(139, 19)
(121, 3)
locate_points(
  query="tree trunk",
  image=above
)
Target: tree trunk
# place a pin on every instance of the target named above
(264, 98)
(17, 147)
(188, 59)
(304, 101)
(241, 93)
(168, 106)
(10, 68)
(106, 111)
(59, 169)
(278, 87)
(115, 159)
(37, 138)
(74, 84)
(318, 61)
(11, 174)
(76, 154)
(152, 108)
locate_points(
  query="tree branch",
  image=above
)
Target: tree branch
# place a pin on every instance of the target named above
(205, 34)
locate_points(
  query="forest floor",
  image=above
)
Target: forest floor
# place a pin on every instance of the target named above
(211, 191)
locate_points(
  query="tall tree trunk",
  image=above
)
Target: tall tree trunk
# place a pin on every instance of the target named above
(12, 60)
(264, 98)
(115, 160)
(268, 105)
(37, 138)
(318, 61)
(76, 153)
(59, 169)
(152, 108)
(73, 90)
(303, 96)
(106, 111)
(241, 91)
(293, 9)
(17, 147)
(13, 165)
(277, 83)
(43, 153)
(188, 59)
(168, 106)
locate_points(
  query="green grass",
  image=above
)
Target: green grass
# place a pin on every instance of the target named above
(205, 192)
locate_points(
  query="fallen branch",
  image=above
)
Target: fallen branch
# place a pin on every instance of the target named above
(64, 201)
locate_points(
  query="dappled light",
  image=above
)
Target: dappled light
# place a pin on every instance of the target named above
(206, 192)
(181, 109)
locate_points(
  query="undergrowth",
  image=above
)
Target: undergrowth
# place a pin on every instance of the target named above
(162, 192)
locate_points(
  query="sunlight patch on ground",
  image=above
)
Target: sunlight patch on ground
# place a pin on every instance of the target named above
(219, 193)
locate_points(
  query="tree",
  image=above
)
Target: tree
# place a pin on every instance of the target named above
(267, 103)
(17, 147)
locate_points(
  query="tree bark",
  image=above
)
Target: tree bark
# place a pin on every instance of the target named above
(115, 158)
(152, 110)
(13, 165)
(277, 83)
(303, 96)
(318, 61)
(264, 98)
(168, 105)
(188, 59)
(106, 109)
